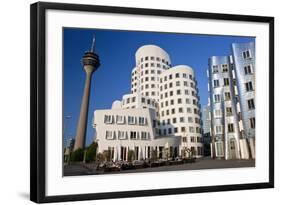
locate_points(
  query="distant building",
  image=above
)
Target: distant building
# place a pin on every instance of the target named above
(231, 85)
(161, 114)
(69, 148)
(206, 120)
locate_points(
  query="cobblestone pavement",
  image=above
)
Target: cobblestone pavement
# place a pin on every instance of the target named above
(203, 163)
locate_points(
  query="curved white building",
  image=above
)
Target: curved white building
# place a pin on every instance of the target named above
(161, 112)
(179, 107)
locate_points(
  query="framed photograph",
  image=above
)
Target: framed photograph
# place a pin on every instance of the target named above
(129, 102)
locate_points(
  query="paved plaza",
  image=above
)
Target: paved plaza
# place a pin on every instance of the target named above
(203, 163)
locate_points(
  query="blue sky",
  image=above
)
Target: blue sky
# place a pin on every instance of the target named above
(116, 50)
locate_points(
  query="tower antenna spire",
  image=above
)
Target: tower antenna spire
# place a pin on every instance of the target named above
(93, 44)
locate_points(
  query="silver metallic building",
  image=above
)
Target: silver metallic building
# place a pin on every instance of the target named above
(244, 63)
(224, 118)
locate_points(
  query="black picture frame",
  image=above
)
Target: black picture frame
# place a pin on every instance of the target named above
(38, 101)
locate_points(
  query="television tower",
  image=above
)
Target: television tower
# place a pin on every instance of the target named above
(90, 62)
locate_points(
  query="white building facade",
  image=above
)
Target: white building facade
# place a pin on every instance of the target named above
(161, 115)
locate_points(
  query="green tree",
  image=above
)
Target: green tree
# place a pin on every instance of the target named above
(77, 155)
(91, 152)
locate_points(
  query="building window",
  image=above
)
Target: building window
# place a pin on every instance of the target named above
(170, 130)
(184, 139)
(191, 129)
(167, 103)
(181, 119)
(120, 119)
(108, 119)
(226, 81)
(143, 100)
(224, 68)
(131, 120)
(246, 54)
(177, 75)
(228, 111)
(122, 135)
(133, 135)
(252, 122)
(227, 96)
(110, 135)
(248, 69)
(152, 65)
(170, 76)
(178, 83)
(179, 101)
(171, 85)
(158, 65)
(249, 86)
(230, 127)
(175, 130)
(146, 58)
(182, 129)
(215, 69)
(172, 102)
(185, 83)
(178, 92)
(174, 120)
(190, 119)
(143, 135)
(180, 110)
(192, 139)
(217, 113)
(142, 121)
(173, 111)
(251, 104)
(171, 93)
(186, 92)
(187, 101)
(216, 83)
(152, 58)
(219, 149)
(218, 129)
(167, 112)
(158, 59)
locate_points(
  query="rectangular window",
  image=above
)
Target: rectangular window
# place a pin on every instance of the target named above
(224, 68)
(180, 110)
(249, 86)
(179, 101)
(226, 81)
(230, 127)
(228, 111)
(122, 135)
(217, 113)
(216, 83)
(178, 92)
(227, 96)
(143, 135)
(248, 69)
(171, 93)
(251, 104)
(184, 139)
(177, 83)
(190, 119)
(120, 119)
(133, 135)
(252, 122)
(191, 129)
(215, 69)
(110, 135)
(142, 121)
(188, 110)
(181, 119)
(174, 120)
(172, 102)
(247, 54)
(218, 129)
(108, 119)
(131, 120)
(177, 75)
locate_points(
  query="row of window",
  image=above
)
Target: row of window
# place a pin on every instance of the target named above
(119, 119)
(176, 75)
(218, 98)
(122, 135)
(193, 139)
(157, 65)
(169, 131)
(176, 84)
(179, 92)
(180, 100)
(181, 120)
(216, 83)
(222, 67)
(230, 126)
(218, 112)
(152, 58)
